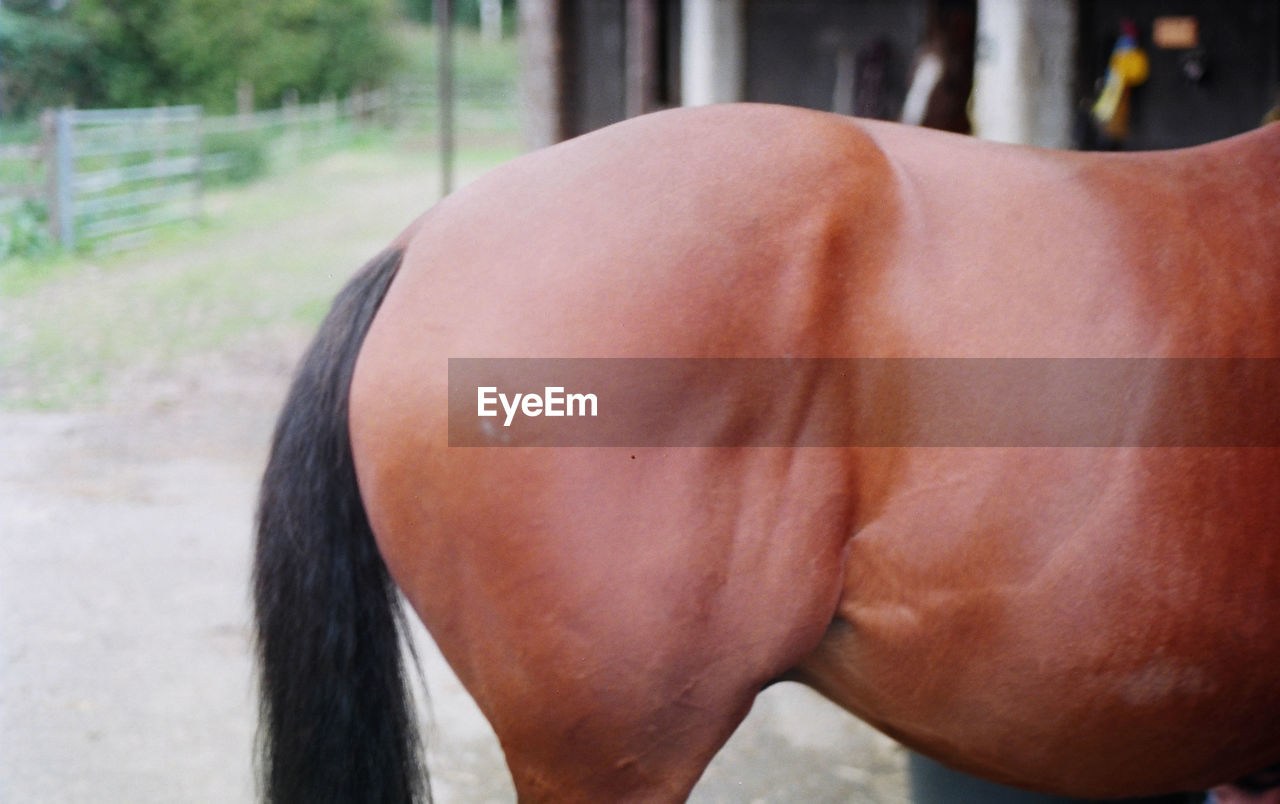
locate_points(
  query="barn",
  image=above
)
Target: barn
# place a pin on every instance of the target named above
(1037, 68)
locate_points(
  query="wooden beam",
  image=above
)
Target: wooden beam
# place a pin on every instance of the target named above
(543, 96)
(642, 56)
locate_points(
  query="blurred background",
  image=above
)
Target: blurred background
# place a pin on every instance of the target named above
(116, 115)
(184, 184)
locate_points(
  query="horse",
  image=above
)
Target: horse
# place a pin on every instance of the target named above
(1093, 621)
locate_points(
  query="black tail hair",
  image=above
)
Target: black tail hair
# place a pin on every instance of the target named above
(337, 721)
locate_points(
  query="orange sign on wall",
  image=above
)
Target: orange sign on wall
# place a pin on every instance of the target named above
(1175, 33)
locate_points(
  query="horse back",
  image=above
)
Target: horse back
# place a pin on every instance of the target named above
(948, 596)
(1086, 620)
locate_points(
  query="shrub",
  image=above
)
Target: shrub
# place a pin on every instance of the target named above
(245, 153)
(24, 231)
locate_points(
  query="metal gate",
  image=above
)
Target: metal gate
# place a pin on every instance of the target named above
(119, 173)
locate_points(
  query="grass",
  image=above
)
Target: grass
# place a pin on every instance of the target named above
(266, 261)
(22, 275)
(482, 69)
(485, 83)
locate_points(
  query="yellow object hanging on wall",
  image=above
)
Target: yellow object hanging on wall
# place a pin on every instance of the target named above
(1128, 68)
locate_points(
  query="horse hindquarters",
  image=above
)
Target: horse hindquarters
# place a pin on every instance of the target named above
(336, 710)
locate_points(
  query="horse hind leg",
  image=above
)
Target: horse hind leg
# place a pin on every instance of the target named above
(622, 707)
(600, 687)
(621, 714)
(631, 751)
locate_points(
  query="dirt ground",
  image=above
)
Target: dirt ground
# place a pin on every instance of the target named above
(125, 672)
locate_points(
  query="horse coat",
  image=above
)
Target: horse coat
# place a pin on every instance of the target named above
(1083, 620)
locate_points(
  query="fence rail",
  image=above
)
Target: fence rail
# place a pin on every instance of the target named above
(24, 161)
(107, 177)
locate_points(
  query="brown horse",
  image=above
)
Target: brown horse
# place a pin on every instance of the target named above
(1099, 621)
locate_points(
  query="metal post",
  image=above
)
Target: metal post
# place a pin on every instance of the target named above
(444, 31)
(713, 51)
(63, 177)
(197, 202)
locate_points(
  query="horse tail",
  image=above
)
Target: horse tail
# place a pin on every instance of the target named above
(337, 721)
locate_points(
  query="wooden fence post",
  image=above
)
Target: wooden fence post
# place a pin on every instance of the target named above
(48, 148)
(59, 151)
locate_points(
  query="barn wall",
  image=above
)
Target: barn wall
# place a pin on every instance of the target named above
(596, 63)
(799, 51)
(1037, 63)
(1240, 42)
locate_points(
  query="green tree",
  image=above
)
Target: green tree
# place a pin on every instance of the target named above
(199, 51)
(45, 61)
(134, 71)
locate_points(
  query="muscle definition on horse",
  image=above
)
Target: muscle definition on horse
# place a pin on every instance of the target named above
(1094, 621)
